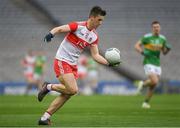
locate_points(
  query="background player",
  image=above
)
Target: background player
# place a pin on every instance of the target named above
(80, 35)
(82, 72)
(39, 68)
(92, 75)
(150, 46)
(28, 63)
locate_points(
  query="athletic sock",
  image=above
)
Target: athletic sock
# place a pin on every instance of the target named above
(49, 87)
(46, 116)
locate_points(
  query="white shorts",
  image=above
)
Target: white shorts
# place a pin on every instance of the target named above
(152, 69)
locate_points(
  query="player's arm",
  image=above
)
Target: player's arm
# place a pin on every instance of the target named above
(138, 47)
(96, 56)
(166, 48)
(56, 30)
(60, 29)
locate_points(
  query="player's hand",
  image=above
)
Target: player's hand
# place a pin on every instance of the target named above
(144, 54)
(48, 37)
(114, 64)
(166, 50)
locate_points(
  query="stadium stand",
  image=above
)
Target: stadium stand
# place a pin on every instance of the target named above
(127, 20)
(19, 31)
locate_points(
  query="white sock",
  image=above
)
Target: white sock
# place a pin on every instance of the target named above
(49, 87)
(45, 116)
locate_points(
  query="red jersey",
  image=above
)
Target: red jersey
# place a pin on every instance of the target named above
(75, 42)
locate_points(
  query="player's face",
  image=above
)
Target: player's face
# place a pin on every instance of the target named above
(156, 28)
(97, 21)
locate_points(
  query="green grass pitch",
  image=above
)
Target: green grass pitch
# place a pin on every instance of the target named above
(93, 111)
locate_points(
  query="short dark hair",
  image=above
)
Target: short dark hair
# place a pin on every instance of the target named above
(155, 22)
(96, 10)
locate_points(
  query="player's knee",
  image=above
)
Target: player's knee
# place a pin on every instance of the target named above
(73, 91)
(154, 82)
(66, 96)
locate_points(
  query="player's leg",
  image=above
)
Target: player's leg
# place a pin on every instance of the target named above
(69, 82)
(147, 83)
(71, 86)
(28, 88)
(39, 80)
(61, 69)
(30, 83)
(54, 106)
(36, 81)
(153, 72)
(39, 84)
(149, 69)
(152, 82)
(93, 80)
(58, 103)
(67, 75)
(154, 79)
(141, 84)
(47, 87)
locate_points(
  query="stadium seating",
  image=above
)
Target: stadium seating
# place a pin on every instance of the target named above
(126, 22)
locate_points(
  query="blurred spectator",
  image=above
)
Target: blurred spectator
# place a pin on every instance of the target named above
(92, 75)
(28, 64)
(82, 72)
(34, 63)
(39, 68)
(88, 75)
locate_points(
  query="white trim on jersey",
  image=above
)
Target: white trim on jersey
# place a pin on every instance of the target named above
(75, 42)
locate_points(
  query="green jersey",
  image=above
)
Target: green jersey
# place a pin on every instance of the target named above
(152, 48)
(39, 64)
(92, 65)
